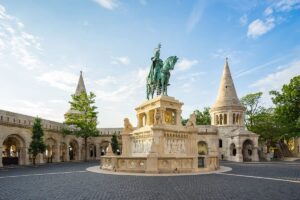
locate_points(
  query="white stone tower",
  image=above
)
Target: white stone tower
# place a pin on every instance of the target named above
(227, 110)
(227, 114)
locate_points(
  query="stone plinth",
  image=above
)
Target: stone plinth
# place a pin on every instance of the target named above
(160, 144)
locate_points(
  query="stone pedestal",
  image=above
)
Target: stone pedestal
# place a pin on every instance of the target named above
(160, 144)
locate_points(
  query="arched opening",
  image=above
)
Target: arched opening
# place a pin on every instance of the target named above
(225, 119)
(233, 118)
(217, 119)
(220, 143)
(232, 150)
(247, 150)
(202, 148)
(13, 150)
(73, 150)
(103, 147)
(92, 151)
(51, 150)
(221, 119)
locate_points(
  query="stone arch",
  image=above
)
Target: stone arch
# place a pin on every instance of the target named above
(202, 148)
(232, 149)
(73, 150)
(248, 150)
(14, 150)
(51, 153)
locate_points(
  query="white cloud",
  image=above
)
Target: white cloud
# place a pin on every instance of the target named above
(22, 46)
(106, 81)
(276, 80)
(120, 60)
(268, 11)
(108, 4)
(258, 27)
(60, 79)
(127, 87)
(41, 109)
(287, 5)
(195, 15)
(244, 20)
(185, 64)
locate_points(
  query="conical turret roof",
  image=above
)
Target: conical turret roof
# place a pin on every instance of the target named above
(227, 94)
(80, 86)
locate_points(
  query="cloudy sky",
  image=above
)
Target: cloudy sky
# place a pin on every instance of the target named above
(44, 45)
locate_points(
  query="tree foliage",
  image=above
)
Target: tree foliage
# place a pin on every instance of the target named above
(114, 143)
(202, 118)
(82, 119)
(252, 104)
(37, 144)
(287, 107)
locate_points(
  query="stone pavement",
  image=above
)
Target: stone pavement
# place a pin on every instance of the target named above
(72, 181)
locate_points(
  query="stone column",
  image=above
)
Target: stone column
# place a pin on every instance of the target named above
(98, 151)
(178, 117)
(229, 118)
(80, 157)
(255, 154)
(1, 165)
(239, 154)
(57, 153)
(148, 122)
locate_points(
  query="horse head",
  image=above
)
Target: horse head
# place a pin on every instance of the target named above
(170, 62)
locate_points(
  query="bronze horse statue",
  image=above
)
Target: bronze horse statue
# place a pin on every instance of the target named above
(161, 82)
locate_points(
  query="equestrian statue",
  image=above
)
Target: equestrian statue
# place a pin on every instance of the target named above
(159, 74)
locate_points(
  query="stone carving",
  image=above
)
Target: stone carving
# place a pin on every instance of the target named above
(141, 146)
(173, 146)
(192, 120)
(127, 126)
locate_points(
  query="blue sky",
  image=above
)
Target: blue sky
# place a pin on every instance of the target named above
(44, 45)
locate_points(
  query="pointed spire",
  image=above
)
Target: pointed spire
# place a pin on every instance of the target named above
(80, 86)
(227, 94)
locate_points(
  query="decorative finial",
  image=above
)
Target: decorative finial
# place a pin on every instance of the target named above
(159, 45)
(80, 72)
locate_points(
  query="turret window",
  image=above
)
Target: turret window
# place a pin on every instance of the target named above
(233, 118)
(225, 118)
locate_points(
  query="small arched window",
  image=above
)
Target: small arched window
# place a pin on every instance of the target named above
(220, 143)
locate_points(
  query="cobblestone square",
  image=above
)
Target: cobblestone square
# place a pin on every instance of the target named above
(276, 180)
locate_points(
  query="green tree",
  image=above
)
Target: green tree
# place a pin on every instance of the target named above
(251, 102)
(37, 144)
(203, 118)
(264, 123)
(287, 108)
(114, 143)
(83, 120)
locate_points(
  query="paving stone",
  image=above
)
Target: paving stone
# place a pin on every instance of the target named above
(88, 185)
